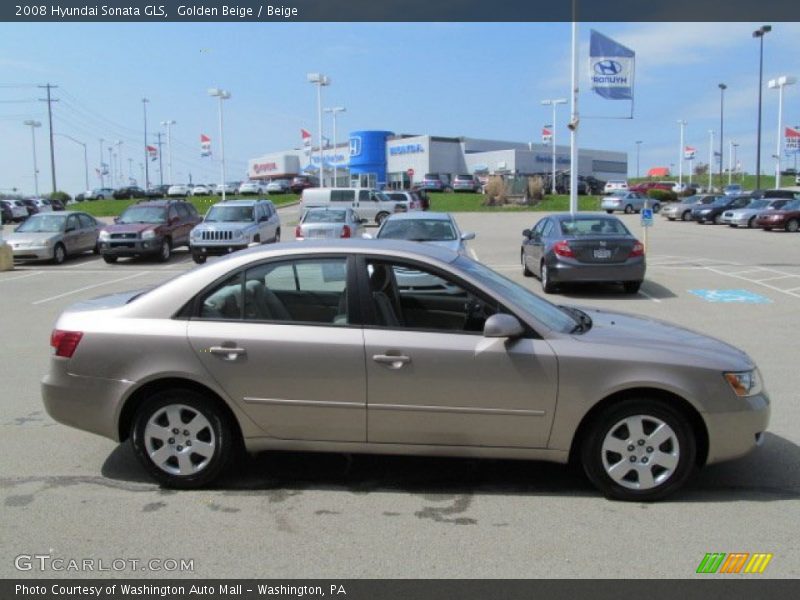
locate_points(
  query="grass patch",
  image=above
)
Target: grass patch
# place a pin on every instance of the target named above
(452, 202)
(114, 208)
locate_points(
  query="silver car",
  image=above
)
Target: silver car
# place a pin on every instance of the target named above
(54, 236)
(315, 347)
(328, 223)
(435, 228)
(628, 202)
(683, 210)
(746, 217)
(234, 225)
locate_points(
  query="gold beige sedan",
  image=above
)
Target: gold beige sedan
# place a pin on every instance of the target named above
(320, 346)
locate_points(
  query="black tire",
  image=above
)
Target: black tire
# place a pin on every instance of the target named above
(380, 217)
(256, 239)
(632, 287)
(717, 219)
(548, 287)
(609, 211)
(218, 433)
(96, 249)
(59, 254)
(767, 228)
(526, 272)
(686, 216)
(792, 225)
(199, 258)
(166, 250)
(110, 259)
(751, 222)
(628, 209)
(656, 208)
(100, 197)
(277, 235)
(651, 410)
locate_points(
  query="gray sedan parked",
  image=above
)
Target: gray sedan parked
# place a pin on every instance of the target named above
(54, 236)
(582, 248)
(683, 210)
(628, 202)
(439, 229)
(315, 346)
(325, 222)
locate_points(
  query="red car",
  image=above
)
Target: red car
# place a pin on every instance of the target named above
(787, 217)
(646, 186)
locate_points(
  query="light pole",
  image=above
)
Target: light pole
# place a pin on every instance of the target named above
(319, 80)
(682, 124)
(33, 125)
(222, 95)
(779, 84)
(759, 33)
(168, 125)
(85, 157)
(722, 88)
(333, 111)
(111, 162)
(735, 159)
(554, 102)
(710, 157)
(730, 161)
(146, 157)
(102, 176)
(638, 151)
(120, 175)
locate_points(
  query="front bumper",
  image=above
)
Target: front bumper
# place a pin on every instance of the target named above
(32, 252)
(701, 218)
(735, 433)
(211, 249)
(131, 247)
(738, 221)
(571, 271)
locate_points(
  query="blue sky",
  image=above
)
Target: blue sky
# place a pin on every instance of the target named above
(478, 80)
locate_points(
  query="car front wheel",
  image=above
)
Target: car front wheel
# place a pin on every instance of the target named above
(639, 450)
(165, 252)
(793, 225)
(686, 216)
(182, 438)
(380, 217)
(59, 254)
(628, 209)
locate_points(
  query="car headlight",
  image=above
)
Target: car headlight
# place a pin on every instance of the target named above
(745, 383)
(195, 234)
(104, 236)
(148, 234)
(238, 233)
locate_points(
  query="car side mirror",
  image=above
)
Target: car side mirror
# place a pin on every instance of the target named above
(366, 236)
(470, 235)
(116, 219)
(502, 325)
(526, 233)
(263, 218)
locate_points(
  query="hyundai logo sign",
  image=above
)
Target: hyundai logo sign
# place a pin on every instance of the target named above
(607, 67)
(355, 146)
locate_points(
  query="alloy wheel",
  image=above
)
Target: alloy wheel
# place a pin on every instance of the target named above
(179, 440)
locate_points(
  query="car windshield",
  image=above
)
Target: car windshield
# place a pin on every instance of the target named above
(417, 230)
(325, 216)
(720, 201)
(43, 224)
(590, 227)
(229, 214)
(760, 203)
(144, 214)
(793, 205)
(550, 315)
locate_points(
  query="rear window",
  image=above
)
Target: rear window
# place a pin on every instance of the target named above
(599, 226)
(463, 177)
(325, 216)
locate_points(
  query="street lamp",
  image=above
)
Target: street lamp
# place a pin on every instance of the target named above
(85, 157)
(168, 125)
(333, 111)
(779, 84)
(722, 88)
(146, 157)
(119, 171)
(710, 157)
(759, 33)
(554, 102)
(682, 124)
(319, 80)
(735, 158)
(638, 151)
(222, 95)
(33, 125)
(730, 161)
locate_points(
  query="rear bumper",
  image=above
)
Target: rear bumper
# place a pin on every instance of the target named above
(735, 433)
(575, 272)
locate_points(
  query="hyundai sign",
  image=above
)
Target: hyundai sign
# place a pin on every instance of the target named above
(611, 67)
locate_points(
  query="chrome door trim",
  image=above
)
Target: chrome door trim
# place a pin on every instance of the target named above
(457, 409)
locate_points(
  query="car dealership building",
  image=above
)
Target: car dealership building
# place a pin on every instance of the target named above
(378, 158)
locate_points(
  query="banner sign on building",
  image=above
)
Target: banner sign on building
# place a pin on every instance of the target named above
(611, 67)
(689, 153)
(547, 135)
(792, 136)
(205, 145)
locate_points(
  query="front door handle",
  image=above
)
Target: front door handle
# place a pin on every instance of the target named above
(392, 361)
(227, 352)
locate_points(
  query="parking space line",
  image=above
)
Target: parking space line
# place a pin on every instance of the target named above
(766, 285)
(22, 276)
(775, 278)
(473, 254)
(649, 297)
(89, 287)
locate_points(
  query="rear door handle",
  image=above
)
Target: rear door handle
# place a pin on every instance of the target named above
(227, 352)
(392, 361)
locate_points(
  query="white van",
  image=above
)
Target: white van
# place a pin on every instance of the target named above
(372, 205)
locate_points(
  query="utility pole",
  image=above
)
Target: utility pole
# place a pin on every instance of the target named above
(160, 163)
(50, 101)
(102, 176)
(130, 170)
(146, 157)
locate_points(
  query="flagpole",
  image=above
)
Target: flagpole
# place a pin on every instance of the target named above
(573, 123)
(710, 157)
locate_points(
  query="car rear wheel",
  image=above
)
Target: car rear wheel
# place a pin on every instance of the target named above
(656, 207)
(182, 438)
(199, 258)
(793, 225)
(110, 259)
(628, 209)
(59, 253)
(640, 449)
(277, 235)
(717, 219)
(632, 287)
(686, 216)
(544, 276)
(380, 217)
(166, 251)
(609, 211)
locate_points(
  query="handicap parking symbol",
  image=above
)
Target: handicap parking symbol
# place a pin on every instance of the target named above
(731, 296)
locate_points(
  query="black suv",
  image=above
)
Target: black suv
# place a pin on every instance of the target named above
(149, 228)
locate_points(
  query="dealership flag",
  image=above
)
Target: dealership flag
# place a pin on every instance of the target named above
(689, 152)
(152, 152)
(205, 145)
(792, 136)
(547, 135)
(611, 67)
(306, 135)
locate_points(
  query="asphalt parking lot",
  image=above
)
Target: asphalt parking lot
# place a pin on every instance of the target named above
(70, 494)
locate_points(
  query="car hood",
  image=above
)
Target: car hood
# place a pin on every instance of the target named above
(130, 227)
(454, 245)
(32, 237)
(634, 332)
(224, 226)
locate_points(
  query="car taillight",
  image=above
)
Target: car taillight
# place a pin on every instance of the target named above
(637, 250)
(65, 342)
(562, 248)
(298, 232)
(345, 231)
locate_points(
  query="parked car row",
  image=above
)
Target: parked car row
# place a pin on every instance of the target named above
(767, 209)
(18, 209)
(368, 204)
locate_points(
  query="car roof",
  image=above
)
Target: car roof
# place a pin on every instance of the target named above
(416, 215)
(252, 202)
(565, 216)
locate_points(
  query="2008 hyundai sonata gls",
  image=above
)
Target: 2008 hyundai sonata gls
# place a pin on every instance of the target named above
(318, 347)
